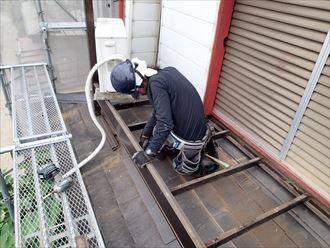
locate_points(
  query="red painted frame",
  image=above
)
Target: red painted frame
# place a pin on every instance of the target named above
(121, 9)
(222, 30)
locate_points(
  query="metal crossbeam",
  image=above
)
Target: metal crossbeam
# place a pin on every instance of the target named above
(179, 222)
(110, 134)
(216, 175)
(137, 126)
(260, 219)
(220, 134)
(282, 181)
(127, 105)
(56, 26)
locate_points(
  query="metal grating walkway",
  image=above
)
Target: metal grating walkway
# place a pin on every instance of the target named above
(36, 113)
(40, 137)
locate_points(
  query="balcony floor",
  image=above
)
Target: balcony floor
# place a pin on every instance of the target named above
(128, 216)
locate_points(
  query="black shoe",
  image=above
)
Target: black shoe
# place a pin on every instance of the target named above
(167, 152)
(161, 155)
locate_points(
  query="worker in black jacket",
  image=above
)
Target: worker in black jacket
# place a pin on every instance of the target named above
(177, 124)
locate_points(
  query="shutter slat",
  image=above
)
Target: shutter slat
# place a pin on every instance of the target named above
(264, 137)
(313, 13)
(326, 69)
(257, 122)
(298, 51)
(324, 79)
(283, 17)
(266, 83)
(271, 77)
(316, 107)
(272, 51)
(316, 126)
(312, 147)
(320, 170)
(308, 171)
(322, 138)
(319, 4)
(321, 99)
(278, 35)
(268, 67)
(317, 117)
(274, 61)
(255, 105)
(273, 99)
(288, 28)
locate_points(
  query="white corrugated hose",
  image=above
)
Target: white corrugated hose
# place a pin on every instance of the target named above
(88, 89)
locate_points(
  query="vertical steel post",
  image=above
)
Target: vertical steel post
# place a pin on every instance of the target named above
(4, 86)
(5, 196)
(89, 15)
(121, 9)
(44, 30)
(225, 13)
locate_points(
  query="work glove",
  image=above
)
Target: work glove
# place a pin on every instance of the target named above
(144, 141)
(142, 158)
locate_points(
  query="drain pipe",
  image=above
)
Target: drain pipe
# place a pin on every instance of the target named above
(89, 99)
(44, 31)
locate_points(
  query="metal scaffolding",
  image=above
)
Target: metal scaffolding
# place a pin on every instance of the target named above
(40, 138)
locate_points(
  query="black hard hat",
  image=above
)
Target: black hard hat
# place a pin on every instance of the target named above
(123, 77)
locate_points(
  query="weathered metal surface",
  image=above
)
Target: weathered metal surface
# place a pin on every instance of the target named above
(40, 138)
(182, 227)
(212, 208)
(213, 176)
(229, 235)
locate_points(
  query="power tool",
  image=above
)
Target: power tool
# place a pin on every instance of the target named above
(48, 171)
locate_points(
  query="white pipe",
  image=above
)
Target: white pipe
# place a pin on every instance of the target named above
(89, 100)
(6, 149)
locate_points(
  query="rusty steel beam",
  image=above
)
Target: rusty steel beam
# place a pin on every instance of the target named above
(120, 106)
(210, 177)
(260, 219)
(109, 133)
(316, 207)
(322, 213)
(137, 126)
(89, 15)
(220, 134)
(178, 221)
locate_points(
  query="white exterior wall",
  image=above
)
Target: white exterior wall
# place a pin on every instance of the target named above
(186, 38)
(142, 19)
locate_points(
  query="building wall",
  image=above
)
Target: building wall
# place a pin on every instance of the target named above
(186, 38)
(142, 20)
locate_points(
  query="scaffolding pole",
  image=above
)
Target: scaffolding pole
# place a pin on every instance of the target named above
(44, 30)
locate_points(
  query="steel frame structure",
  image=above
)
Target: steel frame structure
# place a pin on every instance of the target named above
(40, 137)
(165, 197)
(178, 221)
